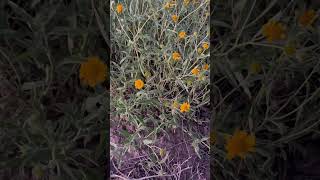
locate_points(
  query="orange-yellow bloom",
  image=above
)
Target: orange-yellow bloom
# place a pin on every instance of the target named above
(200, 50)
(175, 18)
(206, 66)
(274, 31)
(176, 56)
(138, 84)
(93, 71)
(240, 144)
(182, 35)
(119, 8)
(185, 107)
(307, 18)
(195, 71)
(205, 45)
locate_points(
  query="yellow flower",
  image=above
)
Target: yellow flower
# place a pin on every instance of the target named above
(176, 56)
(289, 50)
(185, 107)
(274, 31)
(195, 71)
(182, 35)
(119, 8)
(205, 45)
(206, 66)
(93, 71)
(169, 5)
(255, 68)
(138, 84)
(200, 50)
(307, 18)
(186, 2)
(240, 144)
(175, 104)
(175, 18)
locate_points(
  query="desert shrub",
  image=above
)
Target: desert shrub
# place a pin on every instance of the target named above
(52, 126)
(265, 82)
(159, 80)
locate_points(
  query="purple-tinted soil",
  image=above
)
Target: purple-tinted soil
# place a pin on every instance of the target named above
(178, 146)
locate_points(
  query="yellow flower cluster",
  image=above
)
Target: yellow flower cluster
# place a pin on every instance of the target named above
(274, 30)
(196, 71)
(203, 47)
(175, 56)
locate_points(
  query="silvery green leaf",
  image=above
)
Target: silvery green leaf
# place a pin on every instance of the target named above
(147, 141)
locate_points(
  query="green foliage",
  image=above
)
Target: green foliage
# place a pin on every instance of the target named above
(279, 104)
(50, 125)
(143, 39)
